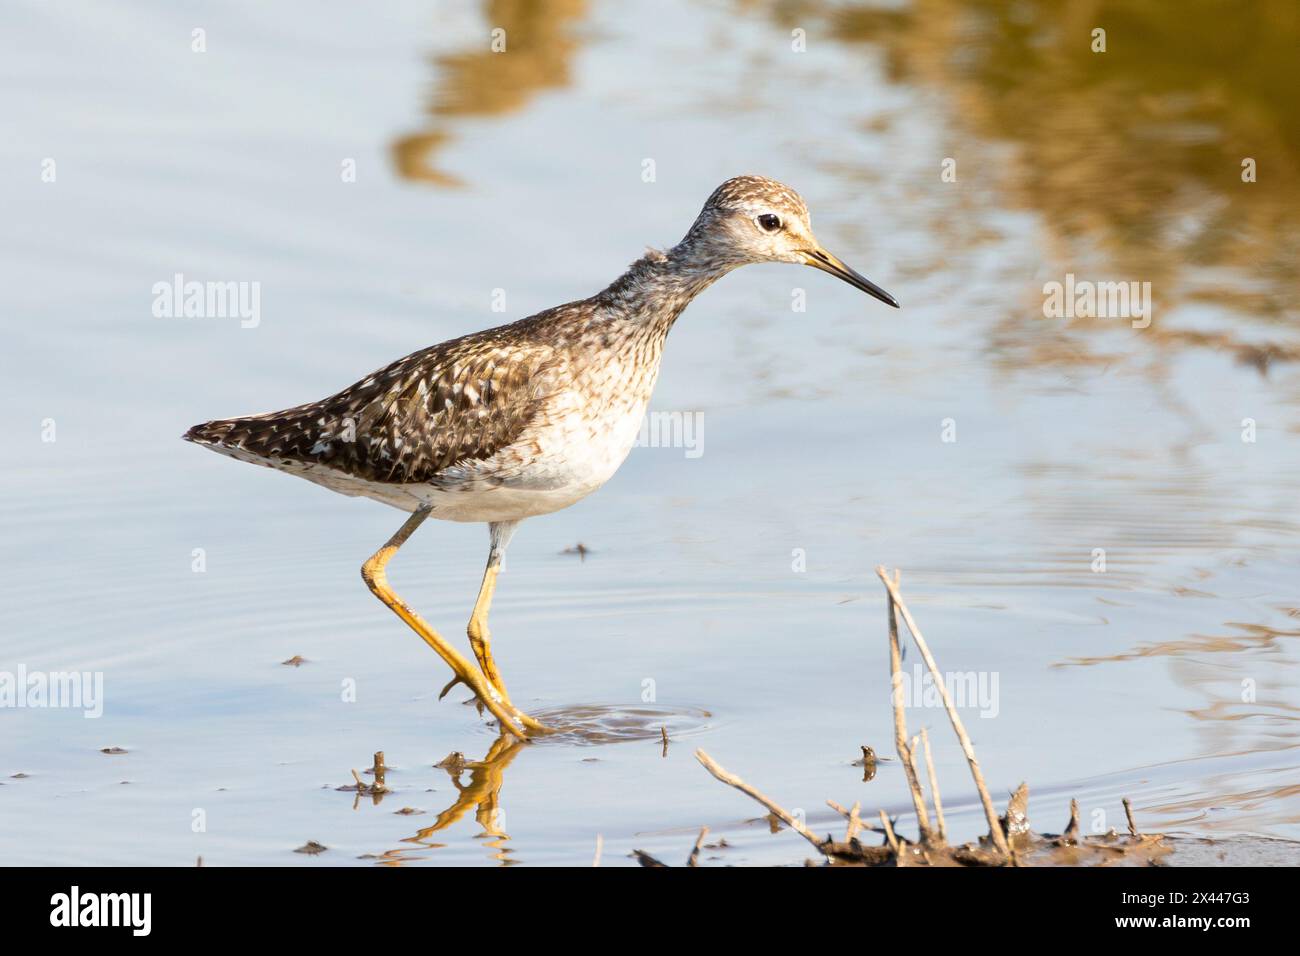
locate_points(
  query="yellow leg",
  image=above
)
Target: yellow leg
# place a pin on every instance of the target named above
(480, 639)
(373, 573)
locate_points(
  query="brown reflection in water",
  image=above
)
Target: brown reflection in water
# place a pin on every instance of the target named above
(1257, 637)
(478, 82)
(1132, 157)
(1247, 691)
(1266, 807)
(580, 725)
(481, 792)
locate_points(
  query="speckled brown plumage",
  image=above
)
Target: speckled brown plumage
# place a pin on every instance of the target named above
(528, 417)
(410, 421)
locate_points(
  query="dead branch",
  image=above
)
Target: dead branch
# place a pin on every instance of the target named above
(900, 724)
(893, 840)
(856, 823)
(1128, 812)
(694, 859)
(774, 808)
(990, 814)
(934, 787)
(1071, 835)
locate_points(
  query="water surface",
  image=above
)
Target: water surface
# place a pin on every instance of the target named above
(735, 588)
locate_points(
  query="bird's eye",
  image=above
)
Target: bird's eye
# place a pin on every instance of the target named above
(769, 222)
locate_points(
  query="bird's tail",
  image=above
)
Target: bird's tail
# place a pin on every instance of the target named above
(210, 433)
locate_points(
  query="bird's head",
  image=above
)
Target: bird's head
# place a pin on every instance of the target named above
(753, 219)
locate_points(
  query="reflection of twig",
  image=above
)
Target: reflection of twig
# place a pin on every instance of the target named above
(995, 830)
(600, 844)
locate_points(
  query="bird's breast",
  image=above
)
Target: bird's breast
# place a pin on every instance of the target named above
(590, 427)
(580, 434)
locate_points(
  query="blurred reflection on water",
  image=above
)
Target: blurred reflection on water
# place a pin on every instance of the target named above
(1133, 157)
(530, 56)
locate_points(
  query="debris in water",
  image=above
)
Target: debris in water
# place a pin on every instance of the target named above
(694, 859)
(867, 763)
(454, 762)
(376, 790)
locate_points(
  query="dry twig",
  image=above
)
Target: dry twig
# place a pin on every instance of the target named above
(891, 837)
(1128, 812)
(900, 724)
(990, 814)
(934, 787)
(773, 808)
(694, 859)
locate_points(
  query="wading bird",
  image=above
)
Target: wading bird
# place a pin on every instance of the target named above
(524, 419)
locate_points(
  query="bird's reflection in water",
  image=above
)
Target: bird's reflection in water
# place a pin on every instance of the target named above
(482, 791)
(583, 725)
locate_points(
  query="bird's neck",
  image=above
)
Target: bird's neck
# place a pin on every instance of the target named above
(655, 289)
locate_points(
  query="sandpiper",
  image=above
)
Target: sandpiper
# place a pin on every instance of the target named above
(524, 419)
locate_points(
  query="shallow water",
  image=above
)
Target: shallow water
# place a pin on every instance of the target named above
(1171, 677)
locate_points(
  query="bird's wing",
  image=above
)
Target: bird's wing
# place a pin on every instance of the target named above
(460, 401)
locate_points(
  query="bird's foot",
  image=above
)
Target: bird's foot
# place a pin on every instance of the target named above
(452, 683)
(533, 727)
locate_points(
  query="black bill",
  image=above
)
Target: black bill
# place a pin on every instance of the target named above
(820, 259)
